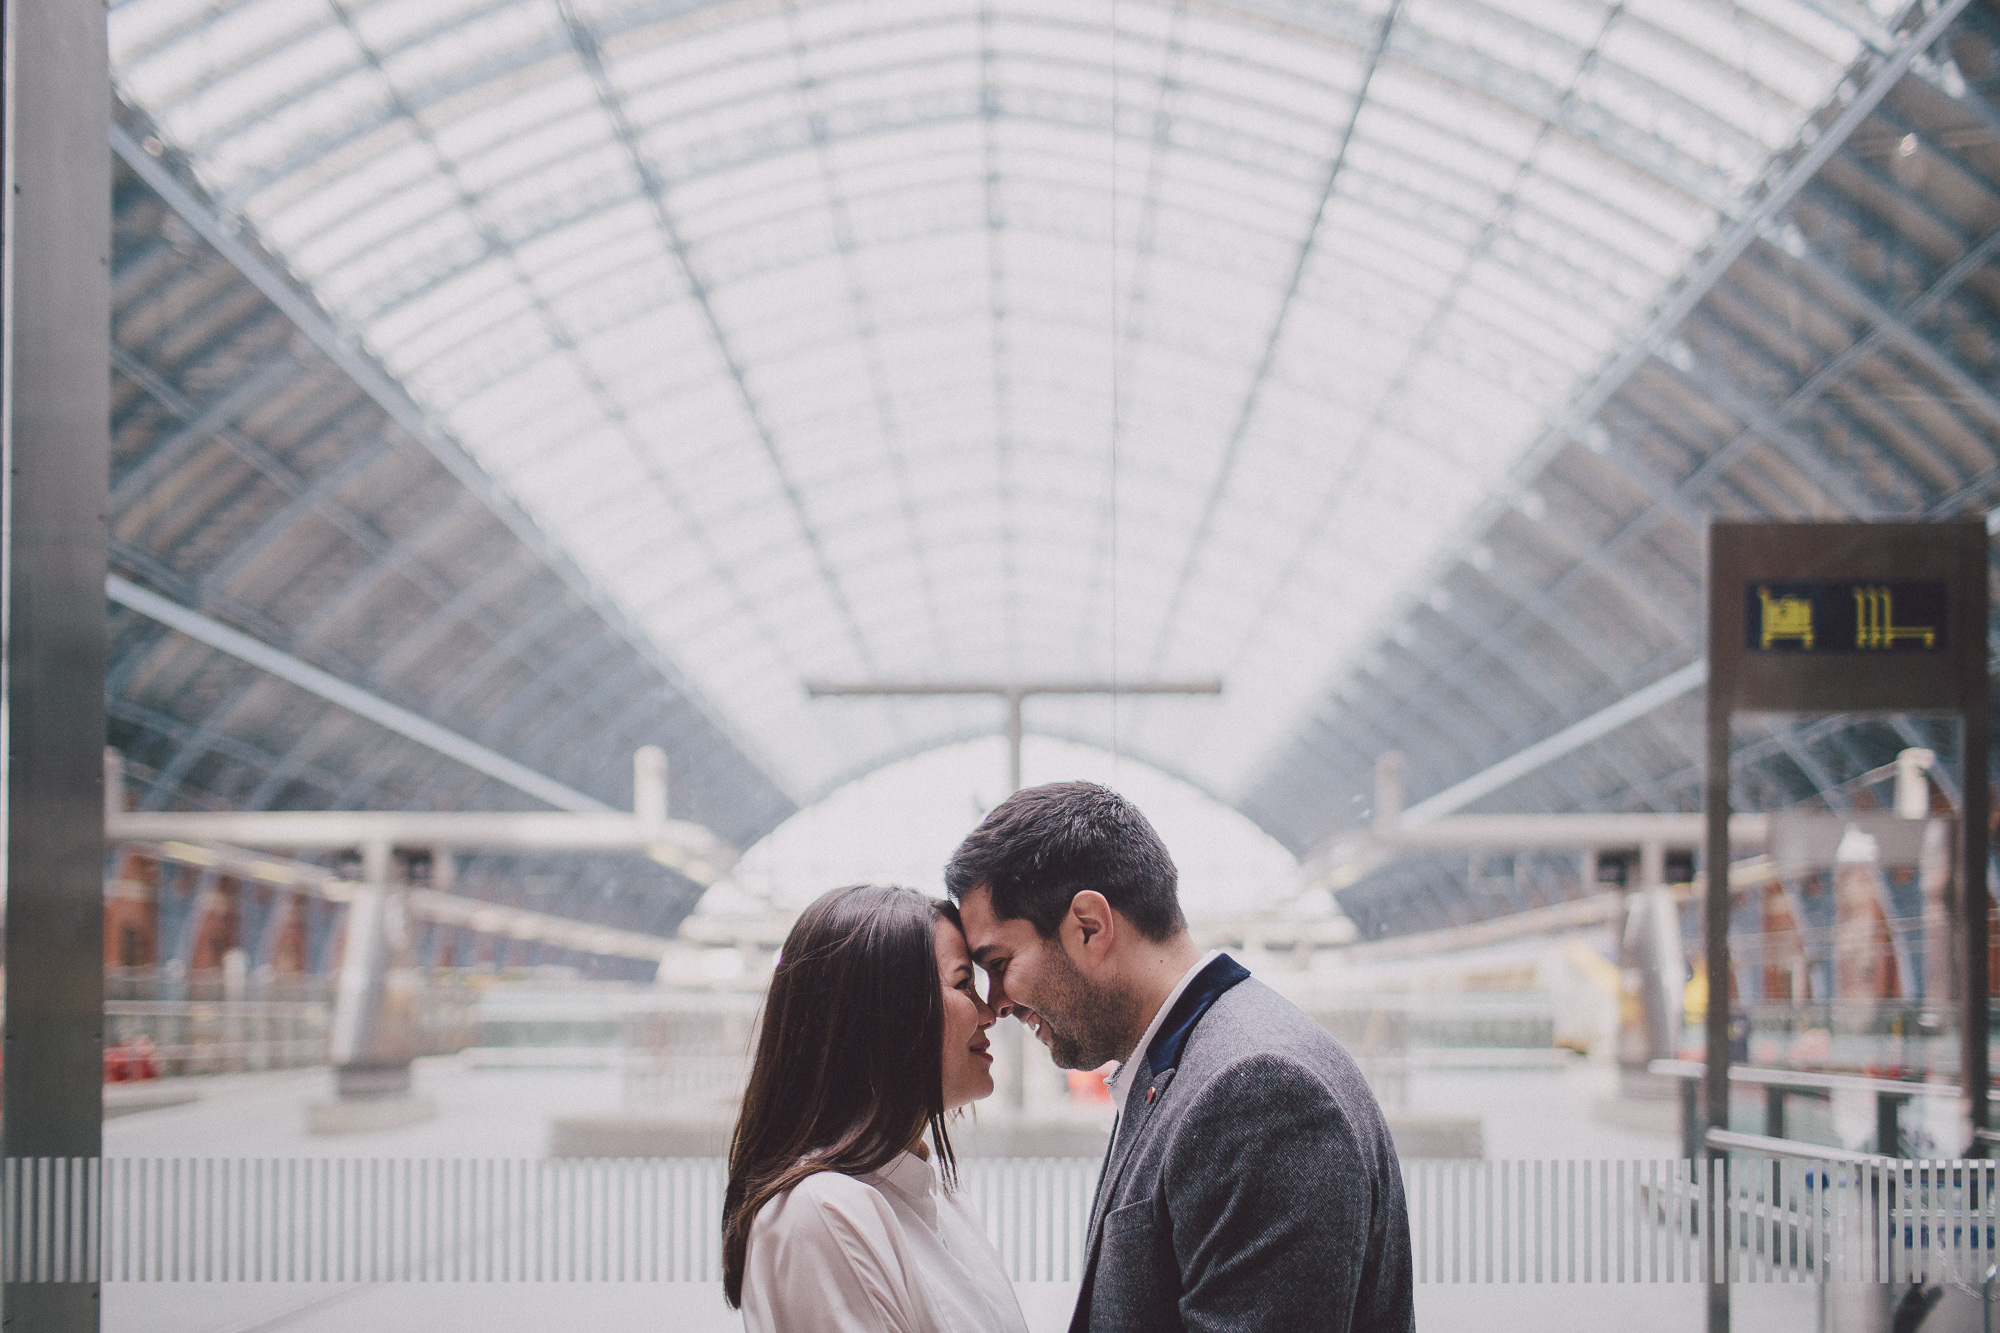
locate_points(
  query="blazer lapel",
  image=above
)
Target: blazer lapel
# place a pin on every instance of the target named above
(1138, 1113)
(1132, 1123)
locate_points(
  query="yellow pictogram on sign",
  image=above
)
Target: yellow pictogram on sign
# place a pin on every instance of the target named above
(1786, 618)
(1875, 622)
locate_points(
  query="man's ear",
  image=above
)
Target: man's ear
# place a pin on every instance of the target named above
(1091, 924)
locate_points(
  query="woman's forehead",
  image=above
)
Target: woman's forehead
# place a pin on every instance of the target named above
(951, 944)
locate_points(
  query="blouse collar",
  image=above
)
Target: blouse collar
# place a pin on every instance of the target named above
(911, 1177)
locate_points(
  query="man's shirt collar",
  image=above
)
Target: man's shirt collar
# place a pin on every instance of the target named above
(1119, 1083)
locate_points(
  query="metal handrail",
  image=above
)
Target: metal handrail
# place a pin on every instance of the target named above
(1766, 1146)
(1804, 1081)
(216, 1008)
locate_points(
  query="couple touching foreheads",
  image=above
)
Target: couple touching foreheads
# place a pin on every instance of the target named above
(1250, 1183)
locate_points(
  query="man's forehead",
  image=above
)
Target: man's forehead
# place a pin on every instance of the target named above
(975, 912)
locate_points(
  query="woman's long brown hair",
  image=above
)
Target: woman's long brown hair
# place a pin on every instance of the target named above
(850, 1057)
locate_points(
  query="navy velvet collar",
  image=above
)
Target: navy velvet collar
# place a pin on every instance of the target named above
(1207, 987)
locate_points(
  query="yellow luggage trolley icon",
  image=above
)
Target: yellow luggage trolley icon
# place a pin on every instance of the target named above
(1785, 618)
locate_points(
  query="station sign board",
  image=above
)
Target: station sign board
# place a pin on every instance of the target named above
(1850, 618)
(1842, 617)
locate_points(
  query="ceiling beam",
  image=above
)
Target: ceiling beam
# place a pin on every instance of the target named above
(1573, 737)
(355, 700)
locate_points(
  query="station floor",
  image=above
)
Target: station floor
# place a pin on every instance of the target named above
(698, 1308)
(1525, 1113)
(506, 1113)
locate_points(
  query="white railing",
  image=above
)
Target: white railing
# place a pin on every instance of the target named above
(1035, 1210)
(411, 1220)
(1750, 1219)
(212, 1036)
(198, 1024)
(1747, 1219)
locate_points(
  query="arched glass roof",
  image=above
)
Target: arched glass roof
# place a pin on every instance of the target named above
(923, 340)
(900, 824)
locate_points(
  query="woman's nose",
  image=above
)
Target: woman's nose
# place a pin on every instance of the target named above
(986, 1015)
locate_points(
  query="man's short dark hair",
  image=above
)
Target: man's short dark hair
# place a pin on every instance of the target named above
(1042, 846)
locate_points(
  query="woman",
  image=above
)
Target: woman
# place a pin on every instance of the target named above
(834, 1220)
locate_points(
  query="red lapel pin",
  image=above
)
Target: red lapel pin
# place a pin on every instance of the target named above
(1149, 1094)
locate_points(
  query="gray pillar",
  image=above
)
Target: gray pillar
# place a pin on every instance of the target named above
(1662, 963)
(374, 1015)
(55, 308)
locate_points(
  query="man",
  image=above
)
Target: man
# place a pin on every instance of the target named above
(1250, 1182)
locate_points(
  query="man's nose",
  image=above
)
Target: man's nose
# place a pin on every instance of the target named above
(996, 999)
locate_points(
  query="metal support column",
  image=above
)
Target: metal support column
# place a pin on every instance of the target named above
(55, 309)
(1014, 740)
(1974, 850)
(1662, 957)
(1715, 1021)
(374, 1019)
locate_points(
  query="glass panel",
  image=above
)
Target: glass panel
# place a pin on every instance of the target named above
(1845, 945)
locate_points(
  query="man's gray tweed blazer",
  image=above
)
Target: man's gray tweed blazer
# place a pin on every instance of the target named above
(1255, 1190)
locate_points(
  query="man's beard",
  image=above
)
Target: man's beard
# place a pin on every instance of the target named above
(1087, 1025)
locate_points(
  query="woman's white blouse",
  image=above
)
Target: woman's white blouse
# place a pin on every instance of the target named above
(886, 1252)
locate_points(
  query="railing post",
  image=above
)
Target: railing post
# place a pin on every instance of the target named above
(1888, 1130)
(1692, 1125)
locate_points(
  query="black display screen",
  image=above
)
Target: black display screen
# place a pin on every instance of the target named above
(1844, 616)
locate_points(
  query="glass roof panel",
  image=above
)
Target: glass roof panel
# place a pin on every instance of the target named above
(799, 328)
